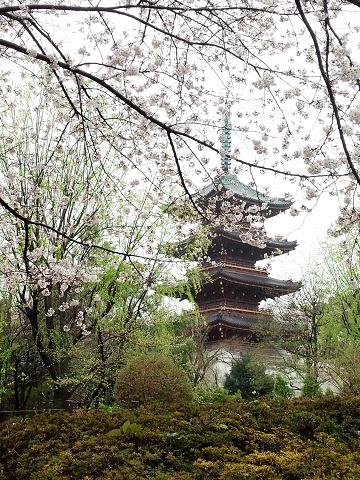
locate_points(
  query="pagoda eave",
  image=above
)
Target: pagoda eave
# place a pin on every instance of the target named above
(284, 246)
(219, 274)
(228, 323)
(229, 183)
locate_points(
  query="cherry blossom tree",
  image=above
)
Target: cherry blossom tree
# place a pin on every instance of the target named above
(80, 245)
(288, 71)
(135, 97)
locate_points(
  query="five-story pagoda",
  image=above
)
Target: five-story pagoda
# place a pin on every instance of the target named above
(232, 286)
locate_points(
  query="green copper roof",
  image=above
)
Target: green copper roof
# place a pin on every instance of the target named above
(244, 192)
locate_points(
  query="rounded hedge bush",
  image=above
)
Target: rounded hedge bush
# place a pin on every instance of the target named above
(151, 378)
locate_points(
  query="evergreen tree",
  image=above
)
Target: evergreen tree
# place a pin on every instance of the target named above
(249, 377)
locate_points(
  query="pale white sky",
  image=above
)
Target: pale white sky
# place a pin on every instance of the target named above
(309, 229)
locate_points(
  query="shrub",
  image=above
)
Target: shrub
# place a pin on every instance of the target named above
(214, 395)
(248, 377)
(258, 440)
(207, 395)
(153, 378)
(310, 387)
(281, 388)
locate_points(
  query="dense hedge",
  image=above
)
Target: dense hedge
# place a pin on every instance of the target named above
(259, 440)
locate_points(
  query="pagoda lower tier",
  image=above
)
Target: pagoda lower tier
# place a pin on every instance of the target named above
(230, 296)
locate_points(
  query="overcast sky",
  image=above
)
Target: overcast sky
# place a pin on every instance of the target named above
(309, 229)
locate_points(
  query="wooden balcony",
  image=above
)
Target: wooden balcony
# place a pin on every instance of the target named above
(235, 264)
(226, 304)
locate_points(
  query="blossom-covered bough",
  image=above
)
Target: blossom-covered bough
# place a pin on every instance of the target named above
(288, 70)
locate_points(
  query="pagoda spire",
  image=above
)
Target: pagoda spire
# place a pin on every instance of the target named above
(226, 159)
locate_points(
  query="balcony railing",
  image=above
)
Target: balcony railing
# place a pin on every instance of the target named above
(236, 264)
(228, 305)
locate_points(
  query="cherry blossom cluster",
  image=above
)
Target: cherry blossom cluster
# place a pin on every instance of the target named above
(288, 74)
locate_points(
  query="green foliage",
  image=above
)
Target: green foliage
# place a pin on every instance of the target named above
(107, 408)
(329, 393)
(22, 383)
(213, 395)
(310, 387)
(207, 395)
(153, 378)
(234, 439)
(164, 334)
(248, 377)
(127, 428)
(345, 364)
(281, 388)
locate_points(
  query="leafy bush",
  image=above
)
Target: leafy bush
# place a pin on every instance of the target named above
(248, 377)
(281, 388)
(153, 378)
(207, 395)
(311, 387)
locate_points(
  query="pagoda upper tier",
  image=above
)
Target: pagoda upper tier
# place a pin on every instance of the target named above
(227, 244)
(228, 182)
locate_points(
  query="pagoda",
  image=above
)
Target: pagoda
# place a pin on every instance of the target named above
(232, 286)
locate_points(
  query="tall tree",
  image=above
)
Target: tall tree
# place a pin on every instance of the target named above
(317, 330)
(343, 332)
(297, 328)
